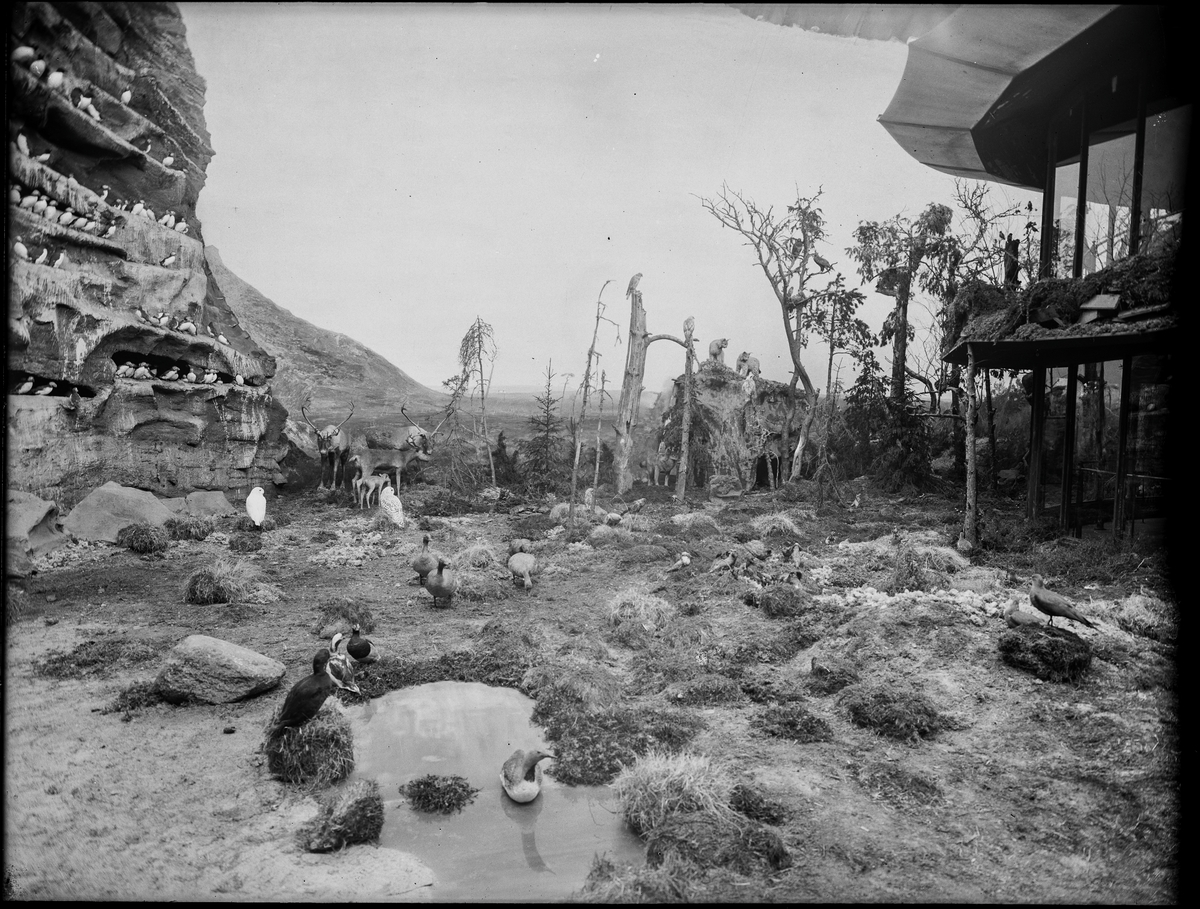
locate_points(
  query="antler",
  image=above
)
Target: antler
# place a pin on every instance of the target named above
(348, 416)
(310, 422)
(439, 426)
(410, 419)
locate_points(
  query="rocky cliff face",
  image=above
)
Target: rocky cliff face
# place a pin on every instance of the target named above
(107, 157)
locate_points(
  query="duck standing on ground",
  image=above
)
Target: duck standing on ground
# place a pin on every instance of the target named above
(424, 561)
(360, 649)
(306, 697)
(440, 584)
(1052, 604)
(521, 775)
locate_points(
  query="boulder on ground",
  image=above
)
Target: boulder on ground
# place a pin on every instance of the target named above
(200, 668)
(32, 524)
(207, 503)
(106, 510)
(724, 486)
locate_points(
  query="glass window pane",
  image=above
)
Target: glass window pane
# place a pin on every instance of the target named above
(1066, 192)
(1109, 202)
(1163, 176)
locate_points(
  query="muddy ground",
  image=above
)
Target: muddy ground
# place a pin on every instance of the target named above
(1028, 791)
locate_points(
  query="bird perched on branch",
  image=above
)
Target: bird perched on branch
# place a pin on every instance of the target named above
(521, 775)
(822, 262)
(256, 505)
(633, 283)
(1052, 604)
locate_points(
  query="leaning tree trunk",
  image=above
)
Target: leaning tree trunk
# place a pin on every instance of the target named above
(900, 342)
(631, 388)
(684, 452)
(970, 522)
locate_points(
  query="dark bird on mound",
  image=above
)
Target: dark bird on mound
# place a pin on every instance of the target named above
(1052, 604)
(307, 695)
(360, 649)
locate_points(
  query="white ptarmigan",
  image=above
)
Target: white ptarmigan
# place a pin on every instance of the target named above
(391, 506)
(256, 505)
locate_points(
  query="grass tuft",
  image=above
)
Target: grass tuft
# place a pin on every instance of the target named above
(133, 698)
(189, 528)
(899, 714)
(778, 525)
(708, 839)
(143, 538)
(751, 803)
(439, 794)
(793, 722)
(672, 881)
(319, 753)
(94, 657)
(351, 814)
(661, 785)
(224, 581)
(341, 610)
(1052, 654)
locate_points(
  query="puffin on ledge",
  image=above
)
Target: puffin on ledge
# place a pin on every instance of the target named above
(307, 695)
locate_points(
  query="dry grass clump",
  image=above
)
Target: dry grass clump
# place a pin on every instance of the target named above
(588, 686)
(133, 698)
(783, 600)
(479, 555)
(352, 814)
(754, 805)
(706, 690)
(323, 536)
(603, 535)
(532, 527)
(344, 611)
(778, 525)
(831, 680)
(189, 527)
(633, 605)
(897, 785)
(1052, 654)
(16, 604)
(319, 753)
(475, 585)
(891, 710)
(727, 841)
(660, 785)
(245, 542)
(672, 881)
(143, 538)
(439, 794)
(639, 523)
(224, 581)
(793, 722)
(644, 553)
(94, 657)
(1145, 616)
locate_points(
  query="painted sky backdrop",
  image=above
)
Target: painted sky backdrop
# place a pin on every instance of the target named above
(392, 172)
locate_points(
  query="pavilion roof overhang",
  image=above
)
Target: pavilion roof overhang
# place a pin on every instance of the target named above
(979, 89)
(1031, 353)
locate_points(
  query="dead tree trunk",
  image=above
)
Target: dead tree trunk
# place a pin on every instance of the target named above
(587, 387)
(991, 415)
(684, 453)
(631, 388)
(970, 522)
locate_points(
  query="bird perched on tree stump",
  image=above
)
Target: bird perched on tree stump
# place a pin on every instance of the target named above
(633, 283)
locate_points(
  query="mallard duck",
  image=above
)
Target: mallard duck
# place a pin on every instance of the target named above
(306, 697)
(360, 649)
(521, 564)
(1052, 604)
(424, 561)
(521, 775)
(440, 584)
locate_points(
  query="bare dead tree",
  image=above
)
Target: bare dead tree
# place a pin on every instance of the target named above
(685, 439)
(786, 248)
(592, 356)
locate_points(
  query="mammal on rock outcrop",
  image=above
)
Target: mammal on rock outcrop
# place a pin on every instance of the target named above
(716, 350)
(747, 364)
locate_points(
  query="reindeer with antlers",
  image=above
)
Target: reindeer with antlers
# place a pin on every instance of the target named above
(333, 447)
(415, 447)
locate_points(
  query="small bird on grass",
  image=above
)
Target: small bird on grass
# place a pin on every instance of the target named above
(306, 697)
(522, 564)
(521, 775)
(1052, 604)
(256, 505)
(684, 560)
(725, 560)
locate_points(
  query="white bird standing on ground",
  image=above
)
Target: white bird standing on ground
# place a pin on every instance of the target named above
(37, 67)
(187, 326)
(46, 389)
(125, 371)
(19, 249)
(41, 260)
(142, 372)
(61, 260)
(210, 378)
(238, 380)
(23, 144)
(168, 160)
(521, 775)
(256, 505)
(55, 79)
(391, 506)
(126, 96)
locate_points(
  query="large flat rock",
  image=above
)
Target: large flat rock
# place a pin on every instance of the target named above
(200, 504)
(31, 524)
(106, 510)
(213, 671)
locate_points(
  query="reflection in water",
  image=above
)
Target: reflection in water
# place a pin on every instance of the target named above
(541, 850)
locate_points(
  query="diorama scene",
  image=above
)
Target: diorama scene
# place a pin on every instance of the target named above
(593, 453)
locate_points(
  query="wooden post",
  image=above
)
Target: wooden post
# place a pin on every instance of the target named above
(1037, 438)
(1123, 424)
(1068, 462)
(684, 453)
(970, 524)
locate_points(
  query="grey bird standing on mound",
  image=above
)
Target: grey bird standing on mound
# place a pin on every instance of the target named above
(1052, 604)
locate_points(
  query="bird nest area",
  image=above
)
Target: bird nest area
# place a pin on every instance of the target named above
(351, 814)
(317, 754)
(435, 794)
(1052, 654)
(97, 657)
(895, 710)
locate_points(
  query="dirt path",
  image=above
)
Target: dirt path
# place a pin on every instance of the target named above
(1043, 792)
